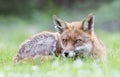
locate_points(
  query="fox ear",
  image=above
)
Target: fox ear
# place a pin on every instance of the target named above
(60, 25)
(88, 23)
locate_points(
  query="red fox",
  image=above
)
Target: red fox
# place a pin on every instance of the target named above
(71, 40)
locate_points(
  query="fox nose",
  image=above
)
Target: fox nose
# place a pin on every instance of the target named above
(66, 54)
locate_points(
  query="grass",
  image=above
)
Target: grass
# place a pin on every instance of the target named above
(11, 38)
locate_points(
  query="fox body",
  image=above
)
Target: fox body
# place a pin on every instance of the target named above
(41, 44)
(71, 40)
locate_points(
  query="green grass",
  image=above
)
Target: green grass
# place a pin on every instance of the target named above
(12, 37)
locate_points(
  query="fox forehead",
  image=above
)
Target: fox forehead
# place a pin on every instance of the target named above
(74, 24)
(74, 31)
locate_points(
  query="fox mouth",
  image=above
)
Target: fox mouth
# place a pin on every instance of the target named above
(75, 54)
(68, 54)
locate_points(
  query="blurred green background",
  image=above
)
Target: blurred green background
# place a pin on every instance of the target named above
(38, 13)
(20, 19)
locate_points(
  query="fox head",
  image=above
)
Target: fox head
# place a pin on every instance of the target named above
(75, 36)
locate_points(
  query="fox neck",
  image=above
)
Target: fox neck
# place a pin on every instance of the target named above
(98, 47)
(59, 48)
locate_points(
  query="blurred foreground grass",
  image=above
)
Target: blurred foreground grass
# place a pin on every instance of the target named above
(12, 37)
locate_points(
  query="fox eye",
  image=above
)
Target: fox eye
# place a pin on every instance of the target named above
(64, 40)
(78, 40)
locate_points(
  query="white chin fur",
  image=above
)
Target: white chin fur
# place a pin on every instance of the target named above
(71, 54)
